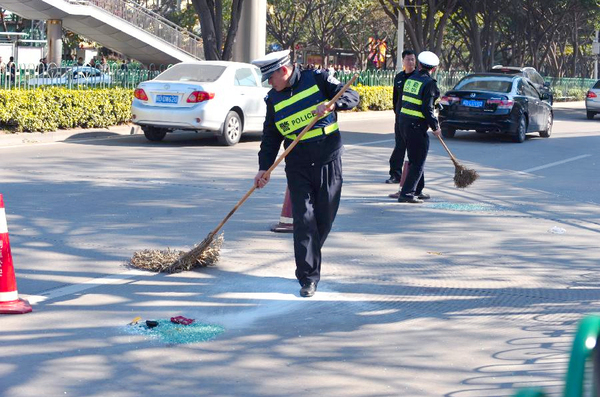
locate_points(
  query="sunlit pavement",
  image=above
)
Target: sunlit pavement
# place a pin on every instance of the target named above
(474, 293)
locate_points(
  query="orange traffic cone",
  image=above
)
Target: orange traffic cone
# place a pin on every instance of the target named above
(286, 221)
(9, 297)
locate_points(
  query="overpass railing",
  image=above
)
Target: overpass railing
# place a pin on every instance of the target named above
(150, 22)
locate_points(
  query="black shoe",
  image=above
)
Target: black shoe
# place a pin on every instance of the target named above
(409, 199)
(392, 180)
(423, 196)
(308, 289)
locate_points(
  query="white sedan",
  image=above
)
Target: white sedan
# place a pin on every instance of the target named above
(226, 98)
(71, 76)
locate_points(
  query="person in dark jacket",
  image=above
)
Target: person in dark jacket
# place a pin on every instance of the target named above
(417, 115)
(314, 166)
(409, 60)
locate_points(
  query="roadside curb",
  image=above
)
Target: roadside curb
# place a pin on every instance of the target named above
(569, 105)
(23, 138)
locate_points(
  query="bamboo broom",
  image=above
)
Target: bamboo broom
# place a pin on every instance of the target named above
(463, 176)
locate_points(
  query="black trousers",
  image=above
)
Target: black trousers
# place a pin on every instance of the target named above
(417, 147)
(315, 192)
(397, 157)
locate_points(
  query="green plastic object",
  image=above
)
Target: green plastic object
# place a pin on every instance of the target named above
(583, 345)
(531, 392)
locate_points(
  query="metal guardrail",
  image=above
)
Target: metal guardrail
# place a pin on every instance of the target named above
(448, 79)
(150, 22)
(28, 76)
(564, 86)
(445, 79)
(130, 77)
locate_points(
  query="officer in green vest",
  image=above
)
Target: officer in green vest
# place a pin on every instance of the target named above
(314, 167)
(417, 115)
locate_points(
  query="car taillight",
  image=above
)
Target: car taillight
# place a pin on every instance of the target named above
(200, 96)
(140, 94)
(591, 94)
(501, 103)
(449, 100)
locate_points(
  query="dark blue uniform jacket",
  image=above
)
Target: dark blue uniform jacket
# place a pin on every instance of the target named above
(315, 151)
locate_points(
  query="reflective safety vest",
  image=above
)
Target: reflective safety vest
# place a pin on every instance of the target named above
(412, 96)
(293, 113)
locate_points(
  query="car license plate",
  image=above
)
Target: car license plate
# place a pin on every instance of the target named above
(167, 98)
(472, 103)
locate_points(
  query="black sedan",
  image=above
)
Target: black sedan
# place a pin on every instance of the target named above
(489, 102)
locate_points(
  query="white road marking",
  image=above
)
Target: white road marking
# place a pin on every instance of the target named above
(370, 143)
(93, 283)
(541, 167)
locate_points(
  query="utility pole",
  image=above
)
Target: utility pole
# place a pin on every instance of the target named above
(250, 42)
(596, 52)
(400, 37)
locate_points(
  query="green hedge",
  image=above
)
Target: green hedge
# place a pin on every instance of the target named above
(374, 98)
(569, 94)
(52, 108)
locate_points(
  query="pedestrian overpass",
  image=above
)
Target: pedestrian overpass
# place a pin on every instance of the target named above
(121, 25)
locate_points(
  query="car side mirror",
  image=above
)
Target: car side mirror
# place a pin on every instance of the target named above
(544, 96)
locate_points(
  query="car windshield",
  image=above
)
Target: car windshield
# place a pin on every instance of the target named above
(597, 85)
(484, 83)
(202, 73)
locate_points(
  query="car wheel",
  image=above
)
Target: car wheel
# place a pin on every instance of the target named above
(232, 129)
(154, 134)
(548, 131)
(448, 132)
(590, 115)
(521, 130)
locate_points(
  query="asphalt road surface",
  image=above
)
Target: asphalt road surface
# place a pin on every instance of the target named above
(475, 293)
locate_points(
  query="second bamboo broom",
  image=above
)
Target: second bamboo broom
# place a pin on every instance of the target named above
(463, 176)
(207, 251)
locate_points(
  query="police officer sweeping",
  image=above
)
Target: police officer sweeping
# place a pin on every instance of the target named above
(313, 167)
(417, 115)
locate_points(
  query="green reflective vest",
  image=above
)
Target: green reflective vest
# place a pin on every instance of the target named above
(412, 97)
(294, 113)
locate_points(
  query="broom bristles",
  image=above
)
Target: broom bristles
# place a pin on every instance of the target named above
(463, 176)
(172, 261)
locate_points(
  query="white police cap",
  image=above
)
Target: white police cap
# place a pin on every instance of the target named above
(428, 59)
(271, 62)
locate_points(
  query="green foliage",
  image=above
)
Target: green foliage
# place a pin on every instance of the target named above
(565, 94)
(49, 109)
(186, 18)
(374, 98)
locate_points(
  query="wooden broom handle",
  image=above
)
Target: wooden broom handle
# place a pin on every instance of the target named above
(283, 155)
(446, 147)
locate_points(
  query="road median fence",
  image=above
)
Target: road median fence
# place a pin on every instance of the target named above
(564, 89)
